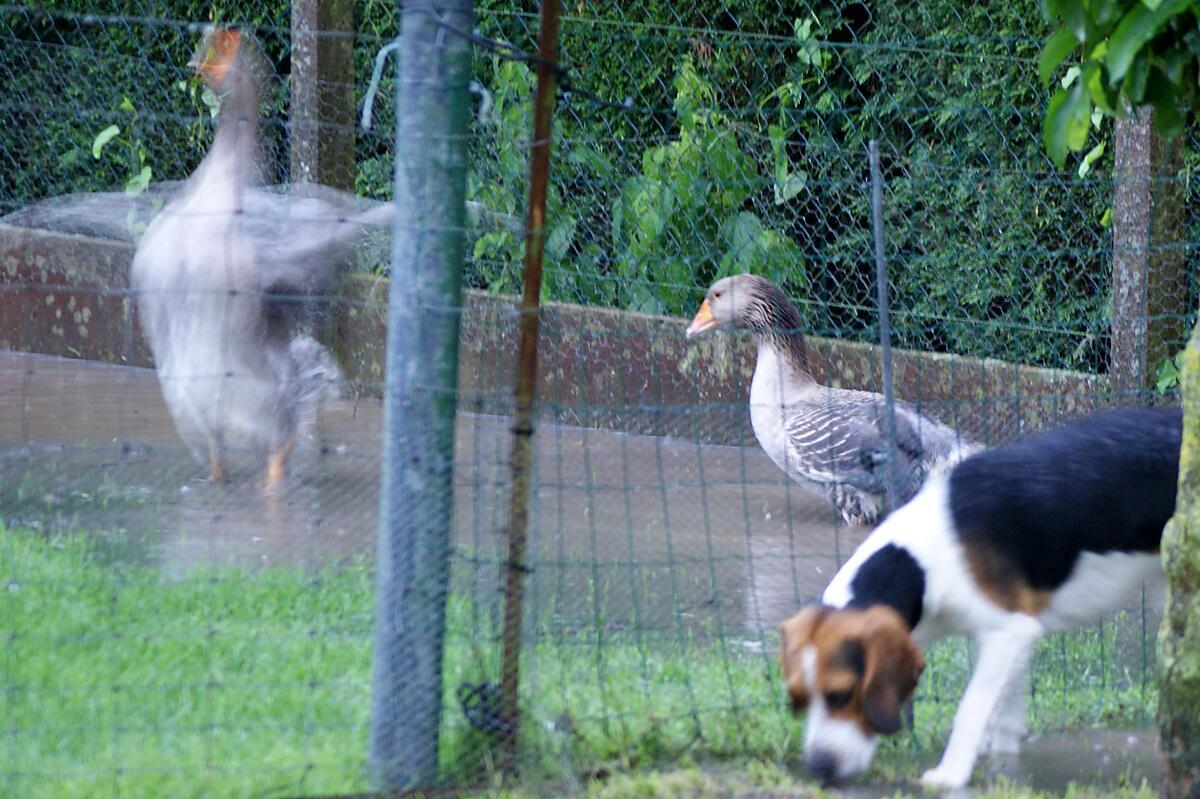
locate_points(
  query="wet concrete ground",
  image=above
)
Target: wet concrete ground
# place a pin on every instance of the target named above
(655, 529)
(662, 525)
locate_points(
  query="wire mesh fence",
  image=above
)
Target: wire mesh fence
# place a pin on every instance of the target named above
(168, 634)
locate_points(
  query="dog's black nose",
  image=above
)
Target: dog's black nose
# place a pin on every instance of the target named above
(822, 765)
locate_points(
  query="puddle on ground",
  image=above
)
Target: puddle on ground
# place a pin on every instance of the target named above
(662, 535)
(1099, 757)
(653, 529)
(1049, 762)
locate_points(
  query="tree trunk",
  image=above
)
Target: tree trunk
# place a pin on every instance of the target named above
(1149, 279)
(322, 107)
(1179, 638)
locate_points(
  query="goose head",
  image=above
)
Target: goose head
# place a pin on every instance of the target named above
(232, 65)
(226, 58)
(745, 302)
(754, 304)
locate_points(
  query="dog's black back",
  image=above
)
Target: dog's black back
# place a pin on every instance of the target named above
(1103, 483)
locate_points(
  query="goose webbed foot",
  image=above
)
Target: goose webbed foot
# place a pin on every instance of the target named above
(215, 464)
(277, 467)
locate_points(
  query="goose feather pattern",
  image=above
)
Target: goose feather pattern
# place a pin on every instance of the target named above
(831, 441)
(227, 278)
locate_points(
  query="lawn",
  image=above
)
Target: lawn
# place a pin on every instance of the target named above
(117, 681)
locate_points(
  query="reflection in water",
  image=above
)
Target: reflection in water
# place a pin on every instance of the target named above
(662, 536)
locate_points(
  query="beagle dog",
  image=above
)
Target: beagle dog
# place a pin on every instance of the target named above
(1037, 536)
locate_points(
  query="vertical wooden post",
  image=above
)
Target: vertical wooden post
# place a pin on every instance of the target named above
(322, 83)
(1149, 263)
(526, 388)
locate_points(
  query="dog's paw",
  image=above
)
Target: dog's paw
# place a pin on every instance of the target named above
(1002, 745)
(944, 778)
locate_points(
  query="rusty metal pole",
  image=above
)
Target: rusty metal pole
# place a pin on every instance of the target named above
(526, 389)
(885, 321)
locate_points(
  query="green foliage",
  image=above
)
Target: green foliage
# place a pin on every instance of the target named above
(680, 222)
(130, 151)
(1134, 52)
(745, 151)
(500, 181)
(1167, 374)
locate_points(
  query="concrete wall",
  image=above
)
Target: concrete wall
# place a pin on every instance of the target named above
(68, 295)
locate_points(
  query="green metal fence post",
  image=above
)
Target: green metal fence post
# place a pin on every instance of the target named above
(422, 368)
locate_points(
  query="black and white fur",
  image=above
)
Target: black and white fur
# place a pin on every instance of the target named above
(1077, 512)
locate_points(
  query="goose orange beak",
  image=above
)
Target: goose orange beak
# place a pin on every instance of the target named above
(703, 322)
(213, 64)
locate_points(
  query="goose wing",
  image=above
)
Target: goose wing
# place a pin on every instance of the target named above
(840, 438)
(303, 241)
(108, 215)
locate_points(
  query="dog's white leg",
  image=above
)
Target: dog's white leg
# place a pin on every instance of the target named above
(1008, 726)
(1003, 654)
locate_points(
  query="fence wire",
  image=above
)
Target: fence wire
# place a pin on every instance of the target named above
(166, 635)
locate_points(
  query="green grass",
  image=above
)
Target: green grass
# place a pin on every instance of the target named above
(115, 681)
(764, 780)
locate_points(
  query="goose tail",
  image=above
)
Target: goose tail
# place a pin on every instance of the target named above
(315, 379)
(959, 451)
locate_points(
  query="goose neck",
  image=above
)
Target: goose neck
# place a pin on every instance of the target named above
(786, 351)
(235, 144)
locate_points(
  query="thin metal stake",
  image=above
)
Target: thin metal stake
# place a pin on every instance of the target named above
(885, 322)
(522, 455)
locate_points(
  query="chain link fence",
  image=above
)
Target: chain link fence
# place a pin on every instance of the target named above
(167, 635)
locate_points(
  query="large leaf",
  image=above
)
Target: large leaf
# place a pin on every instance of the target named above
(1075, 15)
(732, 169)
(741, 233)
(1175, 64)
(1085, 165)
(1168, 122)
(1066, 125)
(103, 138)
(1103, 95)
(558, 240)
(139, 182)
(753, 247)
(1135, 30)
(787, 183)
(1134, 85)
(1057, 48)
(1105, 14)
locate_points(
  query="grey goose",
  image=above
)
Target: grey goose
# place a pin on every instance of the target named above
(830, 441)
(226, 277)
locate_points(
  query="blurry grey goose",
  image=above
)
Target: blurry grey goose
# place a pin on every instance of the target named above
(226, 276)
(831, 441)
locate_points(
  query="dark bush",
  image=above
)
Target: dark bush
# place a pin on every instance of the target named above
(744, 148)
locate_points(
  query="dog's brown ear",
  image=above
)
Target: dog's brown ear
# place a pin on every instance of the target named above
(893, 662)
(793, 635)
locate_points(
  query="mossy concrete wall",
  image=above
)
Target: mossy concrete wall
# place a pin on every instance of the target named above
(68, 295)
(1179, 638)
